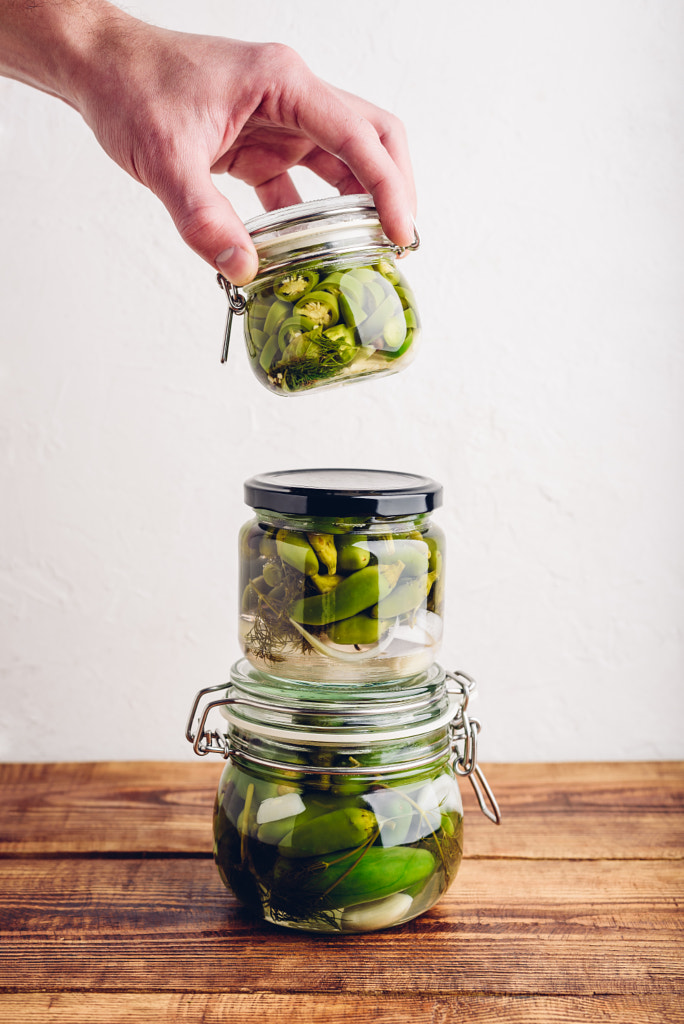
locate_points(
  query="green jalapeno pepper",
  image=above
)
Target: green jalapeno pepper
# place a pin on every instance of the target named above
(320, 307)
(292, 287)
(357, 630)
(324, 546)
(394, 333)
(273, 574)
(404, 599)
(295, 550)
(342, 339)
(396, 353)
(415, 554)
(355, 593)
(277, 312)
(347, 880)
(388, 270)
(269, 352)
(325, 583)
(331, 283)
(291, 329)
(339, 830)
(352, 552)
(302, 347)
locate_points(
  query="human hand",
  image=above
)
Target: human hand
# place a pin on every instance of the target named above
(172, 108)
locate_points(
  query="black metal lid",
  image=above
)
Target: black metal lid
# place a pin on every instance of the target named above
(343, 492)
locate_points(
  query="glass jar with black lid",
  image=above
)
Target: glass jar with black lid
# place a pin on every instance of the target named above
(340, 814)
(341, 575)
(328, 305)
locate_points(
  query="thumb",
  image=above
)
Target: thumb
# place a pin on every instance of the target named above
(208, 223)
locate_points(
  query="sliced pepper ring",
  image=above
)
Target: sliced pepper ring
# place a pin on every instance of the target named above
(320, 307)
(291, 329)
(294, 286)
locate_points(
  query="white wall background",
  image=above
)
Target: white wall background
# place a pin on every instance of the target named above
(548, 142)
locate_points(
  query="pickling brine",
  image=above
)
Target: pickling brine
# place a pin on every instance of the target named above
(339, 808)
(329, 323)
(324, 597)
(349, 594)
(328, 305)
(338, 853)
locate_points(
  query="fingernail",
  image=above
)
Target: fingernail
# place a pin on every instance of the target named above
(237, 265)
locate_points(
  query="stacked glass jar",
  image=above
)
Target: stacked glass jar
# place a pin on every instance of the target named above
(339, 809)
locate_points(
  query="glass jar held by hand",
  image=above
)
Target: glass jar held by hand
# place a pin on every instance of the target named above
(341, 575)
(328, 305)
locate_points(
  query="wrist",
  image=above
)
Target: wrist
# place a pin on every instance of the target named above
(55, 46)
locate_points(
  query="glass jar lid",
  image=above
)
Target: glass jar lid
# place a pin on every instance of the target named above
(343, 492)
(340, 225)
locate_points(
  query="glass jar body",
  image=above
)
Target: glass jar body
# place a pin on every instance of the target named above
(338, 853)
(328, 305)
(330, 322)
(347, 598)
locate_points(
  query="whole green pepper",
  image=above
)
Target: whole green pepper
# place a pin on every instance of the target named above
(352, 879)
(339, 830)
(325, 583)
(414, 554)
(353, 552)
(355, 593)
(295, 550)
(273, 573)
(358, 629)
(324, 546)
(407, 597)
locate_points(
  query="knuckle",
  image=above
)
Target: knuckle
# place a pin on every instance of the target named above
(281, 59)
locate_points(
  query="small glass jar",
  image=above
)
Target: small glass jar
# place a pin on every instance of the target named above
(341, 575)
(340, 817)
(328, 305)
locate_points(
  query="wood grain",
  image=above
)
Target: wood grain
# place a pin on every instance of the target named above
(578, 927)
(266, 1007)
(111, 909)
(602, 810)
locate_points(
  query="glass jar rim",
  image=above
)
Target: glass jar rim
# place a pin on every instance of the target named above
(332, 492)
(296, 219)
(344, 723)
(323, 232)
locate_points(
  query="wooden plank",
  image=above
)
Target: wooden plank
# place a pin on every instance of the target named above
(585, 810)
(601, 810)
(107, 807)
(310, 1008)
(505, 927)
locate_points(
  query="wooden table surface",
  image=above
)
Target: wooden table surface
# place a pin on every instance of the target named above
(111, 908)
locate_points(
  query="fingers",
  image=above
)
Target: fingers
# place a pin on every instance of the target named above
(392, 135)
(277, 192)
(208, 224)
(337, 122)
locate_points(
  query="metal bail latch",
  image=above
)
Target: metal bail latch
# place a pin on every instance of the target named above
(205, 741)
(236, 304)
(464, 733)
(401, 250)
